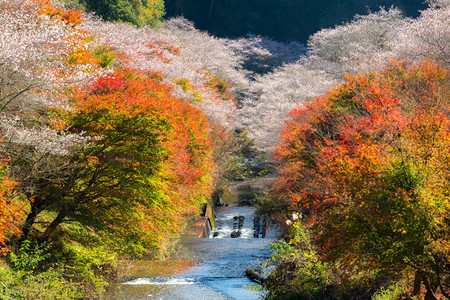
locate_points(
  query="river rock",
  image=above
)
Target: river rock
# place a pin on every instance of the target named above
(255, 276)
(235, 234)
(245, 202)
(220, 202)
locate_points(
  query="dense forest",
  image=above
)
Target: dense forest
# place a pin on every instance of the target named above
(117, 126)
(282, 20)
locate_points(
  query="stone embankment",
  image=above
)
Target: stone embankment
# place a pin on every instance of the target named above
(207, 222)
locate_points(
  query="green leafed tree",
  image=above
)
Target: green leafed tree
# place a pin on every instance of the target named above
(148, 164)
(137, 12)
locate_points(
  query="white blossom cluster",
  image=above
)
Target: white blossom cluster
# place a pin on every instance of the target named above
(361, 46)
(427, 36)
(368, 43)
(279, 92)
(262, 55)
(201, 56)
(34, 70)
(34, 49)
(42, 138)
(268, 78)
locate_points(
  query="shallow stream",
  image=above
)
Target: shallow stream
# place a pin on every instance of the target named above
(217, 266)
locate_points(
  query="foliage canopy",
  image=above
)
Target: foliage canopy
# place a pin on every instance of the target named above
(367, 165)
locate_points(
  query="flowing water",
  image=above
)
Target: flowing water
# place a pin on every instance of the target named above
(217, 270)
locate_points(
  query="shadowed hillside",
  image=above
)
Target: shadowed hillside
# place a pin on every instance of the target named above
(283, 20)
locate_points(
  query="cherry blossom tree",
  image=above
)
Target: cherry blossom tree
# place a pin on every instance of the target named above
(427, 36)
(188, 58)
(362, 45)
(278, 93)
(368, 43)
(41, 54)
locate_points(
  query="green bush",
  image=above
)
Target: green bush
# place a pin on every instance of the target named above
(136, 12)
(76, 265)
(94, 268)
(299, 273)
(105, 56)
(28, 256)
(26, 277)
(393, 291)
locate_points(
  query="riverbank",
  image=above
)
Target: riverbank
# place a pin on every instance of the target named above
(215, 267)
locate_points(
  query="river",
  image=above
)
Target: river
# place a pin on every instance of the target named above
(216, 266)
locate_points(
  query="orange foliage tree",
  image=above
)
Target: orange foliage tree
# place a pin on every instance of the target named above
(368, 166)
(120, 154)
(148, 165)
(12, 208)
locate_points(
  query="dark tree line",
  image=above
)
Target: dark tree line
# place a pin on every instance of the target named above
(283, 20)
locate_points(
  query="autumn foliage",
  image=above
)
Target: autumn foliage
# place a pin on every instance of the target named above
(155, 146)
(12, 209)
(110, 136)
(368, 167)
(101, 154)
(90, 139)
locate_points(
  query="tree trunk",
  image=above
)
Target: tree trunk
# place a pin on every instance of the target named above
(430, 289)
(26, 228)
(52, 227)
(430, 295)
(444, 292)
(417, 283)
